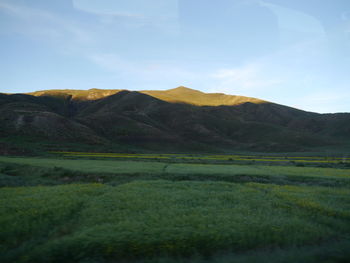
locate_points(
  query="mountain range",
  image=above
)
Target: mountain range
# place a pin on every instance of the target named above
(180, 119)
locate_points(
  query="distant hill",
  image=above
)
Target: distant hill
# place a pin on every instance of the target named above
(91, 94)
(195, 97)
(179, 119)
(177, 95)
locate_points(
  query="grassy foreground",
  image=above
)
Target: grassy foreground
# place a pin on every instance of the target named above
(171, 213)
(75, 222)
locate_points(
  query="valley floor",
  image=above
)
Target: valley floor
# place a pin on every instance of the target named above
(116, 210)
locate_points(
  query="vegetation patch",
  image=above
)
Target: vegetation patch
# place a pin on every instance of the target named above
(81, 210)
(73, 223)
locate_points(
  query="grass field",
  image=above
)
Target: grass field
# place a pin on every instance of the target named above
(63, 210)
(275, 159)
(110, 170)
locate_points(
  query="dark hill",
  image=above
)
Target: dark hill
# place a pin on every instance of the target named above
(174, 120)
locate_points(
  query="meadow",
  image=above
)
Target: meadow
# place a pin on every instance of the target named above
(117, 209)
(238, 158)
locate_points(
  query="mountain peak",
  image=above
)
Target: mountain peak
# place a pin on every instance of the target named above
(182, 89)
(142, 118)
(195, 97)
(177, 95)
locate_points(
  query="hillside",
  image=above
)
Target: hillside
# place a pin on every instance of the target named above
(179, 119)
(195, 97)
(177, 95)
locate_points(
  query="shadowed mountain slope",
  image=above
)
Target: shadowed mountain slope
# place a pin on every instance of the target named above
(41, 117)
(174, 120)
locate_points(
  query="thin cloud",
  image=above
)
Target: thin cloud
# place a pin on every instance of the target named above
(244, 79)
(130, 8)
(277, 75)
(156, 71)
(295, 20)
(39, 22)
(324, 102)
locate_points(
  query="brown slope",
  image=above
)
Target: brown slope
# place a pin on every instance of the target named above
(125, 116)
(84, 95)
(227, 122)
(177, 95)
(133, 117)
(41, 118)
(195, 97)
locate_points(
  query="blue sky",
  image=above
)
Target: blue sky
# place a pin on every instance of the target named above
(292, 52)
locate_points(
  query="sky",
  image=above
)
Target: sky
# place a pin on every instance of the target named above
(292, 52)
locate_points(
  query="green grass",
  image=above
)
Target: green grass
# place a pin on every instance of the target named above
(124, 171)
(335, 251)
(132, 167)
(148, 211)
(259, 170)
(94, 166)
(336, 161)
(172, 219)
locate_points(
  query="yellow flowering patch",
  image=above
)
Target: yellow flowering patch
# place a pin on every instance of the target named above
(242, 158)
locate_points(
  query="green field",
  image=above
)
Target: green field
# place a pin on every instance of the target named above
(218, 158)
(111, 210)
